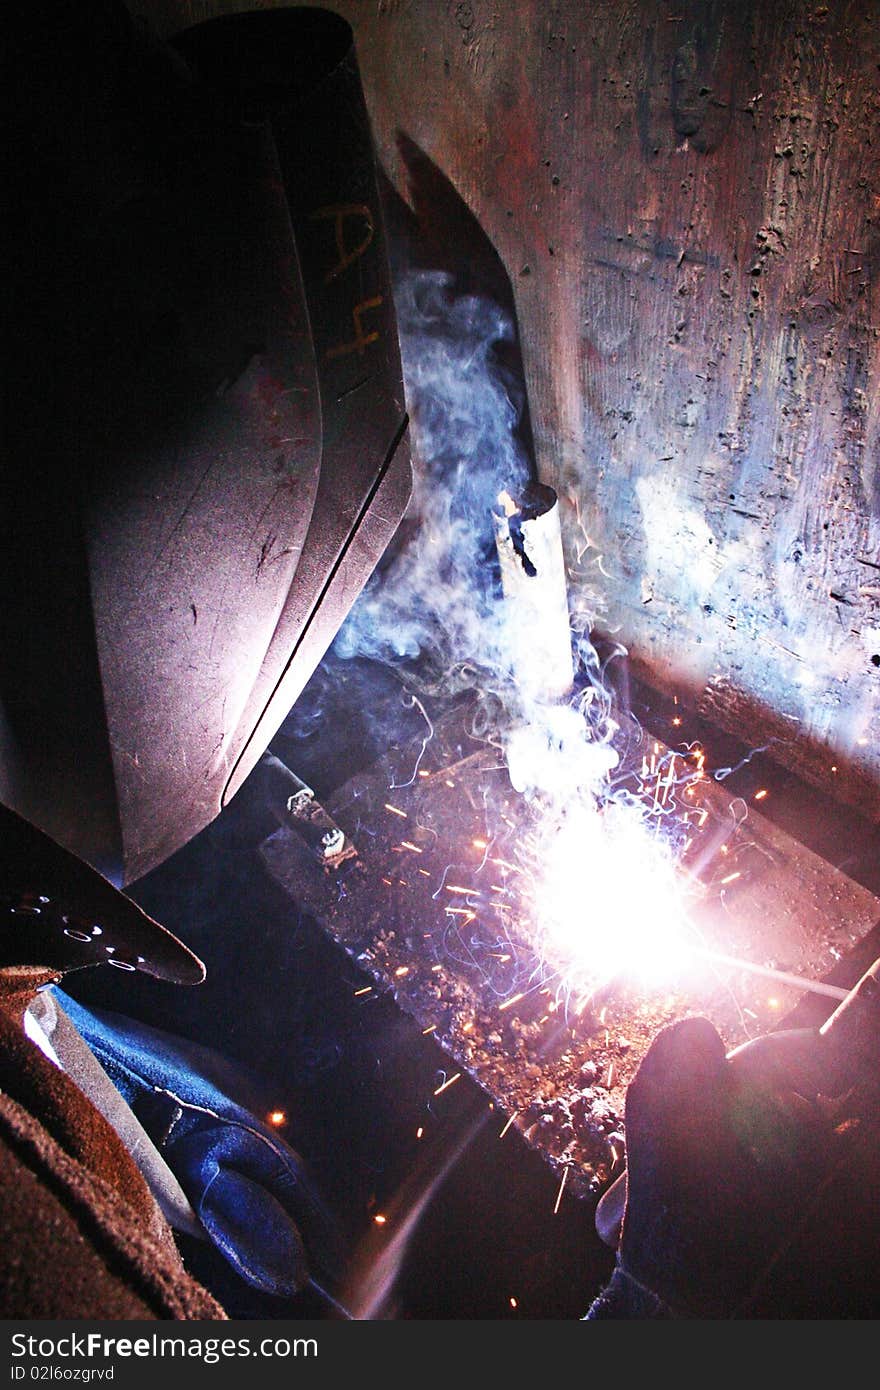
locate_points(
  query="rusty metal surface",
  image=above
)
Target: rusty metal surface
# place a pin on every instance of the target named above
(438, 909)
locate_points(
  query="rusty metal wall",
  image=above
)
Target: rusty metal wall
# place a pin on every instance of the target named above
(684, 197)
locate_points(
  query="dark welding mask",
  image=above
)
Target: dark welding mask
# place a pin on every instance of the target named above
(206, 448)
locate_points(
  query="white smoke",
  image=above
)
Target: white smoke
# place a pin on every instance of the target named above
(436, 600)
(437, 597)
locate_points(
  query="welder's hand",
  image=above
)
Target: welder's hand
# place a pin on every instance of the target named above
(252, 1195)
(726, 1161)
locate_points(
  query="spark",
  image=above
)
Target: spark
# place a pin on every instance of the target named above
(514, 999)
(723, 772)
(561, 1190)
(277, 1117)
(592, 891)
(367, 989)
(446, 1084)
(415, 702)
(639, 887)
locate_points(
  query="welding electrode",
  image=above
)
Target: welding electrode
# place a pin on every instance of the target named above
(829, 1060)
(850, 1035)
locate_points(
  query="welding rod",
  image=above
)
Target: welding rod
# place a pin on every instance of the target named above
(850, 1034)
(865, 990)
(781, 977)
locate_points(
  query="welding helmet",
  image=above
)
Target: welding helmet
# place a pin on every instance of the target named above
(205, 434)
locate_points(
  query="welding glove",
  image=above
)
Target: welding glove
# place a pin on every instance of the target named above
(741, 1191)
(249, 1190)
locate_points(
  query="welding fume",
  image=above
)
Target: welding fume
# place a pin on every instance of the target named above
(208, 453)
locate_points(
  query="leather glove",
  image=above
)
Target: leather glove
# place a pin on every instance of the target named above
(250, 1191)
(744, 1192)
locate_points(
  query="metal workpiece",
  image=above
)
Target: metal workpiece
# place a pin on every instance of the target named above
(444, 913)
